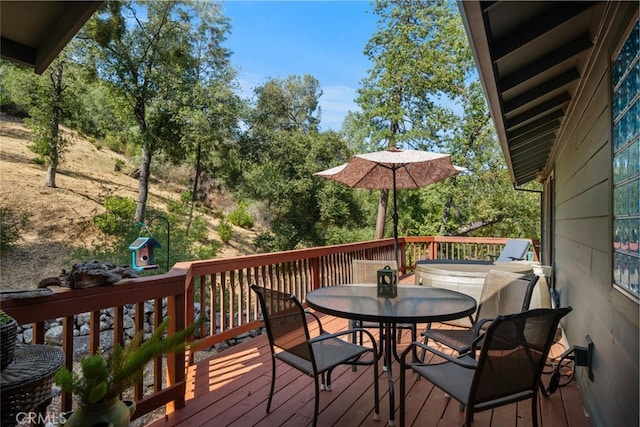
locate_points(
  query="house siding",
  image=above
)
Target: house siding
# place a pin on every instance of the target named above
(582, 216)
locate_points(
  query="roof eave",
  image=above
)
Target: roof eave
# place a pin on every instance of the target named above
(473, 22)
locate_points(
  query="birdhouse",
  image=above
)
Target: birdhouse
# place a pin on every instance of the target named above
(142, 253)
(387, 282)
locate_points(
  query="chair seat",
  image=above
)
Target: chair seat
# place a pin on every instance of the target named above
(456, 379)
(327, 353)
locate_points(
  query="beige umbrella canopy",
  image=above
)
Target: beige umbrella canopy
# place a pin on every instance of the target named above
(392, 169)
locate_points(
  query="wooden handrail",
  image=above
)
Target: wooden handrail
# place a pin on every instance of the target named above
(221, 288)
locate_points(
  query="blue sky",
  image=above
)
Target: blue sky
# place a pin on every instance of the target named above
(321, 38)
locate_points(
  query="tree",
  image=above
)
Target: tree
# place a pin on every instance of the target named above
(290, 105)
(46, 111)
(300, 206)
(142, 50)
(212, 112)
(419, 55)
(284, 149)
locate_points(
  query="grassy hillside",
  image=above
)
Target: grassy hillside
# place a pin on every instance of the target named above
(59, 219)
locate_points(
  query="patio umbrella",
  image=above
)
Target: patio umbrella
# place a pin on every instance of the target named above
(393, 169)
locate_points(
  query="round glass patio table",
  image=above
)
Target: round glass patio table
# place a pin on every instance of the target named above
(414, 304)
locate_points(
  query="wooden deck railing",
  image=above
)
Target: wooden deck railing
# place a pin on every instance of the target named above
(221, 288)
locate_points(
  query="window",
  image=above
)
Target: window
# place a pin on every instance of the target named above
(625, 75)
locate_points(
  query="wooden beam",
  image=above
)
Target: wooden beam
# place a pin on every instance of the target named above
(540, 65)
(553, 103)
(542, 89)
(537, 27)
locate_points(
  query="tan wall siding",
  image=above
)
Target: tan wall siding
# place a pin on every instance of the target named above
(582, 243)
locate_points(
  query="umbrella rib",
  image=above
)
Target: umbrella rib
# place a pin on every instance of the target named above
(404, 165)
(355, 185)
(396, 166)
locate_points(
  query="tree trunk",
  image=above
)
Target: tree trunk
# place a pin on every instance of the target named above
(51, 176)
(446, 214)
(143, 183)
(382, 214)
(196, 180)
(54, 144)
(145, 164)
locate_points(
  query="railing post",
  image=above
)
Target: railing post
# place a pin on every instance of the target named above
(433, 250)
(176, 366)
(403, 257)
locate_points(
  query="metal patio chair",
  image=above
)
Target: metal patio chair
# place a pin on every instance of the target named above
(502, 293)
(286, 324)
(508, 368)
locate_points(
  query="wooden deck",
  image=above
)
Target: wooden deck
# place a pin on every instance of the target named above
(231, 389)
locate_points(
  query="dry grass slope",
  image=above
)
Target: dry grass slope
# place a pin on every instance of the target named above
(58, 219)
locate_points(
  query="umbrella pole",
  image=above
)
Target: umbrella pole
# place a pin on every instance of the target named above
(395, 220)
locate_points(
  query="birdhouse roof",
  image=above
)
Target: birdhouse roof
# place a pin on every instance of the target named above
(141, 242)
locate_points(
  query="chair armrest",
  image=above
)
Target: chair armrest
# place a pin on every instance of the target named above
(479, 324)
(464, 360)
(315, 316)
(326, 336)
(478, 335)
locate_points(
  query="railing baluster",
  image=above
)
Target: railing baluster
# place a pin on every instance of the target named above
(157, 363)
(138, 390)
(67, 346)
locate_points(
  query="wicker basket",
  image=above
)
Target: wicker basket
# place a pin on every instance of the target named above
(26, 383)
(8, 336)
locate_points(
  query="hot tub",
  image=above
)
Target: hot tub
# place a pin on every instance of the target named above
(468, 277)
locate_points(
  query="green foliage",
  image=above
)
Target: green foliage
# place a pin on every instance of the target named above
(266, 242)
(198, 230)
(11, 227)
(50, 97)
(209, 251)
(176, 208)
(16, 84)
(225, 231)
(299, 209)
(107, 376)
(241, 217)
(338, 236)
(178, 242)
(420, 57)
(186, 197)
(4, 317)
(118, 218)
(119, 164)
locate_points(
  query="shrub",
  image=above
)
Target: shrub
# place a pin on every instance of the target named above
(241, 217)
(225, 231)
(119, 216)
(10, 228)
(208, 251)
(198, 231)
(265, 242)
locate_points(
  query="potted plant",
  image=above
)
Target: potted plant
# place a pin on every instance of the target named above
(8, 337)
(104, 377)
